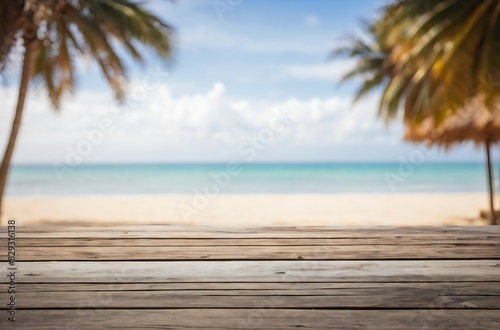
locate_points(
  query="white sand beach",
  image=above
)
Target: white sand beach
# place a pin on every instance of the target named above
(253, 210)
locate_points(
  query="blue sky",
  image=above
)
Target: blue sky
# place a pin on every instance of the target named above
(236, 64)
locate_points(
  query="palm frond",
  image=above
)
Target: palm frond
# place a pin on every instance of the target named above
(437, 55)
(64, 30)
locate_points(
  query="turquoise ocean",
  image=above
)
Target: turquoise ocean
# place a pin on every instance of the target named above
(282, 178)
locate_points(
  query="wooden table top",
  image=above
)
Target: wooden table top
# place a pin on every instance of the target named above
(175, 277)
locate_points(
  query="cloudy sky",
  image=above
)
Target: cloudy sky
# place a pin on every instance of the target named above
(239, 68)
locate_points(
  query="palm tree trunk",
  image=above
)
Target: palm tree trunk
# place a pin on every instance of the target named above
(23, 89)
(490, 182)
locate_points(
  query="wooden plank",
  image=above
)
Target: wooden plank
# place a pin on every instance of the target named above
(237, 229)
(129, 242)
(342, 252)
(264, 294)
(257, 271)
(256, 319)
(409, 297)
(243, 288)
(260, 232)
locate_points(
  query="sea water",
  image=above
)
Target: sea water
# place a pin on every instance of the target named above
(316, 178)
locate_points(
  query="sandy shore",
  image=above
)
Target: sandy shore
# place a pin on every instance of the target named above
(253, 210)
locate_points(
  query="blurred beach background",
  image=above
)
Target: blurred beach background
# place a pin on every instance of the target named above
(245, 124)
(251, 194)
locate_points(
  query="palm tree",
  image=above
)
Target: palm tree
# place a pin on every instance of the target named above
(438, 55)
(432, 56)
(372, 66)
(472, 123)
(54, 32)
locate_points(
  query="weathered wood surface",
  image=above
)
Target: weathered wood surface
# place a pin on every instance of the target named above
(277, 241)
(234, 252)
(259, 318)
(480, 296)
(311, 243)
(174, 277)
(161, 231)
(259, 271)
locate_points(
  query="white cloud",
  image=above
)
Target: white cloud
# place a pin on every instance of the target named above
(168, 127)
(312, 21)
(331, 71)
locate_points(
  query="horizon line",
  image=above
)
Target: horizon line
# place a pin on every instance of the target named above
(251, 163)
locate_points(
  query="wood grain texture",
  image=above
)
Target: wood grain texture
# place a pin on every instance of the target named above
(277, 252)
(258, 271)
(131, 242)
(291, 288)
(256, 319)
(410, 297)
(162, 231)
(174, 277)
